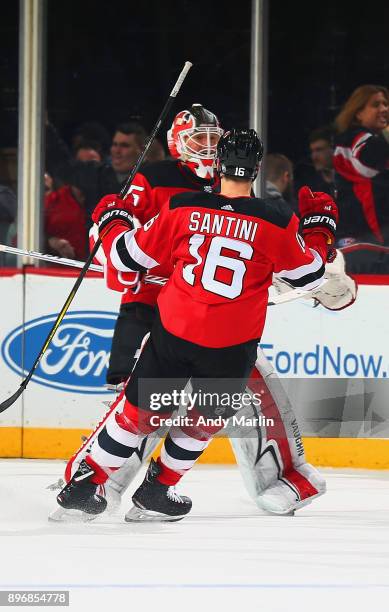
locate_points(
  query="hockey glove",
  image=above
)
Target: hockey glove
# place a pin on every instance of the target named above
(318, 220)
(111, 211)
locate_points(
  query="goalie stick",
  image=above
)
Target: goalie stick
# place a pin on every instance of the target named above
(9, 401)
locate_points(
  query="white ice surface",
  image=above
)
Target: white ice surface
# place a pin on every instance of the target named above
(224, 556)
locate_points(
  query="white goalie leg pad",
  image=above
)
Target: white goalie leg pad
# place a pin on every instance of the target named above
(80, 454)
(271, 456)
(283, 497)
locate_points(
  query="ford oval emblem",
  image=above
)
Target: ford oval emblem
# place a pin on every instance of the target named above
(77, 357)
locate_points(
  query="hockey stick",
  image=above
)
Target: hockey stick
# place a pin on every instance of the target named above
(293, 294)
(288, 296)
(74, 263)
(123, 192)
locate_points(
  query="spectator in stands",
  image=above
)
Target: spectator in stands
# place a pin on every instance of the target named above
(65, 216)
(361, 161)
(321, 151)
(278, 177)
(318, 173)
(127, 144)
(57, 153)
(80, 183)
(92, 132)
(89, 151)
(108, 177)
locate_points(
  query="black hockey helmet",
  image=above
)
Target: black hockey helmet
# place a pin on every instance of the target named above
(239, 153)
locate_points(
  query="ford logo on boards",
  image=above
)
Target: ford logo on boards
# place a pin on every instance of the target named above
(77, 357)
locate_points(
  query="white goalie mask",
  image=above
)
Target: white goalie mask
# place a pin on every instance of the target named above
(193, 138)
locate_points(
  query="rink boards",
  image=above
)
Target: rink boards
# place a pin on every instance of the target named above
(334, 366)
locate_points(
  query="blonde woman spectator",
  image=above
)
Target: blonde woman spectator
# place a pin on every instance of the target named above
(361, 161)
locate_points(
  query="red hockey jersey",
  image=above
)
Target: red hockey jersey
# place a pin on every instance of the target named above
(150, 190)
(224, 252)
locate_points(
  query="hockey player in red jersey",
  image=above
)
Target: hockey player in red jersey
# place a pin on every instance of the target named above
(192, 141)
(224, 249)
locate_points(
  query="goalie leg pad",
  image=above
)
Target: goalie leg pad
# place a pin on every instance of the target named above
(283, 497)
(80, 454)
(271, 456)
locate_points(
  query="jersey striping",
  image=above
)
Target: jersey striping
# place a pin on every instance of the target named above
(223, 261)
(151, 188)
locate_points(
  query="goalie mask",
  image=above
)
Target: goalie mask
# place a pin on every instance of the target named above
(193, 138)
(239, 154)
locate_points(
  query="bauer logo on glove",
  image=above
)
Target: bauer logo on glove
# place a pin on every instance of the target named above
(111, 210)
(114, 215)
(319, 220)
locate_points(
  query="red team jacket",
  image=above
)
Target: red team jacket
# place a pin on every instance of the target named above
(223, 252)
(150, 189)
(361, 162)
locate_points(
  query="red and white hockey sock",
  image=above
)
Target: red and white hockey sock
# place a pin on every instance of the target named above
(182, 448)
(120, 436)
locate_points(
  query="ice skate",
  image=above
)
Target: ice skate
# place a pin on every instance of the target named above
(154, 501)
(79, 500)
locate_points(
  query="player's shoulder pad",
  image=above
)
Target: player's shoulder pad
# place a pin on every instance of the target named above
(163, 173)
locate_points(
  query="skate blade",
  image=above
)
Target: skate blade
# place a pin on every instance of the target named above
(61, 515)
(56, 485)
(140, 515)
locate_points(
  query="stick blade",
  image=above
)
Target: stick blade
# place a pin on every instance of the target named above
(11, 400)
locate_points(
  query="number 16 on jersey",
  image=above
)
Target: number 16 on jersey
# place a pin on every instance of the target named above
(214, 260)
